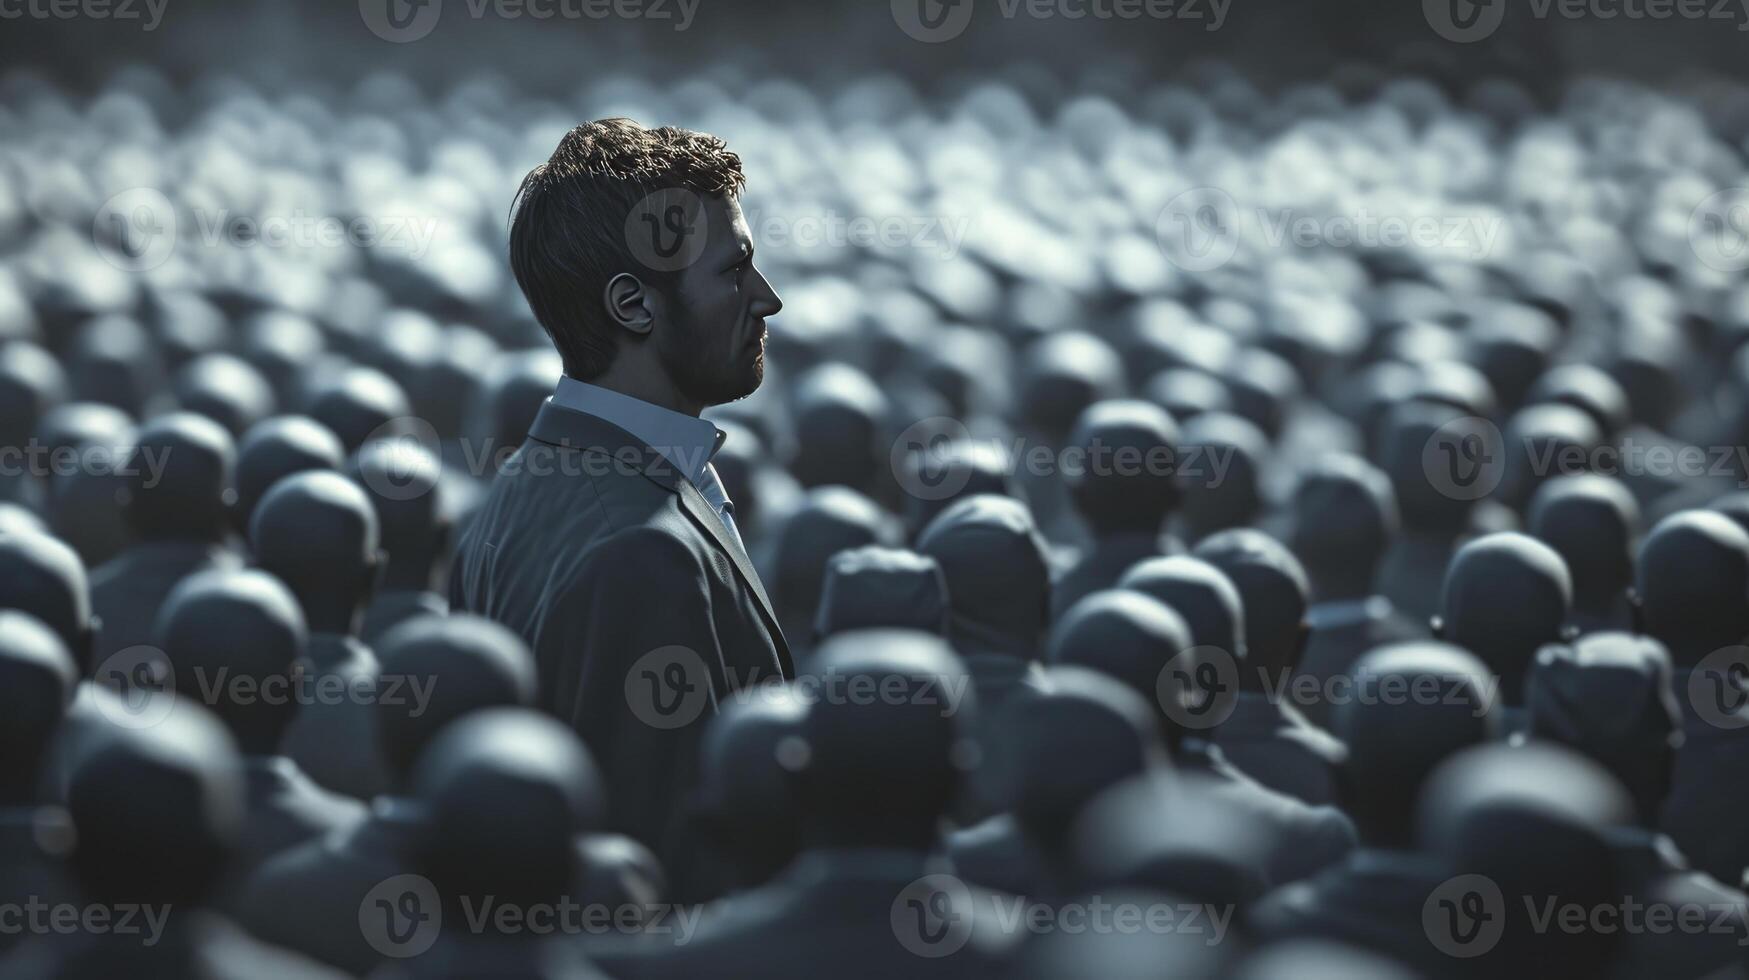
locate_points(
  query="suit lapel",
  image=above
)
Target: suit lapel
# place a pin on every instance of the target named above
(576, 430)
(699, 509)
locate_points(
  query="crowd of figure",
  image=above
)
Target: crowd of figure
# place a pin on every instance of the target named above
(1322, 611)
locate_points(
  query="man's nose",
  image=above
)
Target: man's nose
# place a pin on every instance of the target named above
(766, 302)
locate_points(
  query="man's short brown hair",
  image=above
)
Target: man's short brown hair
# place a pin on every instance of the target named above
(568, 232)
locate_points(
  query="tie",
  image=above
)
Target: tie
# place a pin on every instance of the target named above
(711, 488)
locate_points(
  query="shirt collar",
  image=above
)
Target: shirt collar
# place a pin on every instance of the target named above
(688, 443)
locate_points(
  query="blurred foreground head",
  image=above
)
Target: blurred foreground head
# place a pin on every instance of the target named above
(631, 249)
(37, 679)
(882, 770)
(43, 577)
(317, 532)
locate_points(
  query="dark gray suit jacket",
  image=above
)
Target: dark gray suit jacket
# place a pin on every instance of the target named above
(642, 610)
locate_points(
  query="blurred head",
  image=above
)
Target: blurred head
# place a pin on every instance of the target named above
(631, 249)
(1198, 591)
(840, 429)
(317, 532)
(227, 390)
(463, 664)
(1544, 442)
(276, 448)
(998, 577)
(872, 586)
(37, 680)
(1587, 388)
(1692, 578)
(404, 481)
(157, 811)
(357, 403)
(1218, 477)
(1273, 592)
(1505, 596)
(1085, 732)
(1592, 522)
(42, 577)
(1131, 637)
(1126, 482)
(179, 479)
(230, 632)
(1535, 820)
(1609, 697)
(937, 476)
(1061, 375)
(882, 771)
(516, 385)
(31, 383)
(830, 520)
(1395, 736)
(745, 799)
(1416, 440)
(494, 769)
(1343, 517)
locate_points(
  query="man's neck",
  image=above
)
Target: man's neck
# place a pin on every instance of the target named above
(643, 386)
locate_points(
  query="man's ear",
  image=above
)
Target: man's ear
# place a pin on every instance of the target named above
(628, 304)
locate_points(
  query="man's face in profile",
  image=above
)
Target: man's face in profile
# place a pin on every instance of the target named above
(712, 340)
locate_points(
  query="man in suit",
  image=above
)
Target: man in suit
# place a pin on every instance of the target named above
(607, 541)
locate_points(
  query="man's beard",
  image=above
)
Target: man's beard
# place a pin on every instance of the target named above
(707, 365)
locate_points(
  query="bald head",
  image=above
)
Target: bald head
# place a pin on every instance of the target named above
(31, 383)
(1413, 705)
(179, 479)
(502, 767)
(1063, 373)
(1587, 388)
(225, 389)
(840, 420)
(275, 449)
(1544, 442)
(1126, 482)
(1592, 522)
(873, 586)
(1692, 576)
(464, 664)
(1219, 478)
(1198, 591)
(942, 474)
(318, 532)
(1131, 637)
(1343, 518)
(358, 403)
(1085, 732)
(218, 627)
(745, 797)
(883, 770)
(157, 811)
(44, 578)
(405, 483)
(830, 520)
(1273, 592)
(1506, 595)
(37, 678)
(998, 579)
